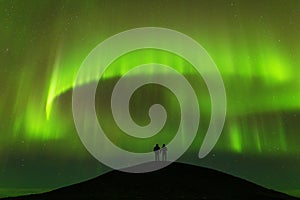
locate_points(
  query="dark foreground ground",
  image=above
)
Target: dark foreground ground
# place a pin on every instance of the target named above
(177, 181)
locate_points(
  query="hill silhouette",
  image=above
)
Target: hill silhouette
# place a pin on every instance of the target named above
(176, 181)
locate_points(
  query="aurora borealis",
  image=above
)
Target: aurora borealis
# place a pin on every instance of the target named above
(255, 45)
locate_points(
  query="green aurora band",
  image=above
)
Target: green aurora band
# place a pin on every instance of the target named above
(255, 45)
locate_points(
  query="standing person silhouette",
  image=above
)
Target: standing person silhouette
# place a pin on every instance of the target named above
(163, 151)
(156, 151)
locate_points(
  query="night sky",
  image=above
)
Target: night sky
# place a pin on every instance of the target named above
(255, 45)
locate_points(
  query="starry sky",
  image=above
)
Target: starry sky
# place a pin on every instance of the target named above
(255, 45)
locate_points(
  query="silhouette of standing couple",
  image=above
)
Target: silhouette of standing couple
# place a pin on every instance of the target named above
(163, 150)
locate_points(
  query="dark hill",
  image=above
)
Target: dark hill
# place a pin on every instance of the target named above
(177, 181)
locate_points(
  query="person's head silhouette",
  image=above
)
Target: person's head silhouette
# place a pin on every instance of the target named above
(163, 145)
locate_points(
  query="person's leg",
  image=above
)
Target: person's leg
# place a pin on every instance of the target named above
(156, 155)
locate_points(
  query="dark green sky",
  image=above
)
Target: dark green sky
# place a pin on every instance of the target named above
(255, 45)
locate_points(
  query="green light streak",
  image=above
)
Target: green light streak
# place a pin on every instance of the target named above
(235, 139)
(257, 140)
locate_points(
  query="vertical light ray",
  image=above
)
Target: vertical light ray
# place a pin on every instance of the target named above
(235, 138)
